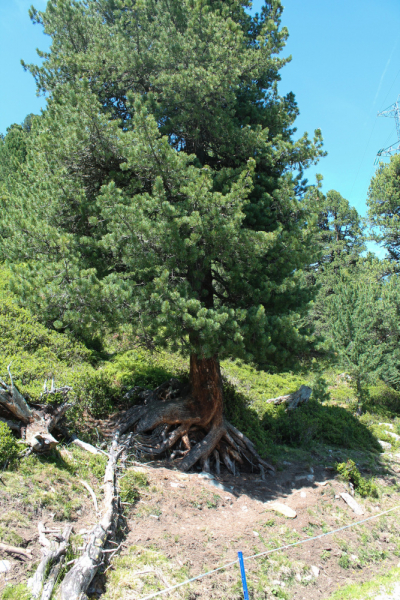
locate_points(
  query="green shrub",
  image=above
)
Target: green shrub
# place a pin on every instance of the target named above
(8, 444)
(312, 422)
(348, 472)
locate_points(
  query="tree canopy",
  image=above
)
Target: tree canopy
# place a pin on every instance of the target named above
(164, 178)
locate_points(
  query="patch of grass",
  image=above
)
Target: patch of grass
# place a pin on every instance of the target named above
(142, 571)
(16, 592)
(369, 589)
(129, 484)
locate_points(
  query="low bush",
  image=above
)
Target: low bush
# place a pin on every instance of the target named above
(8, 445)
(348, 471)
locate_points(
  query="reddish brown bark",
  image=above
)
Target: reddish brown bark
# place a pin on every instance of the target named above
(206, 389)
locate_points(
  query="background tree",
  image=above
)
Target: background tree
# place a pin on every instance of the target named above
(364, 329)
(162, 188)
(340, 239)
(384, 208)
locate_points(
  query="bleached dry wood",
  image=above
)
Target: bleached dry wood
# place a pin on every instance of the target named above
(42, 537)
(293, 400)
(38, 423)
(85, 445)
(15, 550)
(51, 579)
(91, 492)
(51, 556)
(78, 579)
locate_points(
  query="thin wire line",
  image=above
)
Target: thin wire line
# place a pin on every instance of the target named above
(316, 537)
(390, 89)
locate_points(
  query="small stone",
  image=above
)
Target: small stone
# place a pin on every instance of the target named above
(174, 485)
(385, 445)
(307, 578)
(256, 534)
(82, 531)
(352, 503)
(354, 557)
(282, 509)
(276, 582)
(314, 571)
(298, 577)
(286, 463)
(321, 483)
(337, 497)
(311, 470)
(5, 566)
(393, 435)
(155, 517)
(244, 507)
(303, 495)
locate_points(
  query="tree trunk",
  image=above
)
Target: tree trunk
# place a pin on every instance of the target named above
(206, 389)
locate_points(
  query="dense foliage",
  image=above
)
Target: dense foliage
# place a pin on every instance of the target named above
(162, 186)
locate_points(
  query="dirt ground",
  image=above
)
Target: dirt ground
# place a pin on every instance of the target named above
(195, 526)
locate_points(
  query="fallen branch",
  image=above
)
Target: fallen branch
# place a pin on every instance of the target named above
(15, 550)
(91, 492)
(292, 401)
(51, 556)
(85, 445)
(78, 579)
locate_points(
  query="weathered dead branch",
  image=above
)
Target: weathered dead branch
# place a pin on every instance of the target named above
(53, 553)
(15, 550)
(38, 422)
(293, 400)
(77, 580)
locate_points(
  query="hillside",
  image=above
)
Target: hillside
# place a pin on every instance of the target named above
(173, 525)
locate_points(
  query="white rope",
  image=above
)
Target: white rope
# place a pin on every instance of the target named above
(316, 537)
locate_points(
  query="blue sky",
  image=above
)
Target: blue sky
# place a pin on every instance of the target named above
(345, 69)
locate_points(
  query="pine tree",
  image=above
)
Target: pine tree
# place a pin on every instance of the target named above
(341, 240)
(162, 189)
(384, 208)
(365, 328)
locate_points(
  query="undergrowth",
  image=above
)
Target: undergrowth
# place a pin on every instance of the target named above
(348, 471)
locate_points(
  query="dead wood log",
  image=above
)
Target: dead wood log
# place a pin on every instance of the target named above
(15, 550)
(38, 423)
(52, 579)
(77, 580)
(51, 556)
(85, 446)
(293, 400)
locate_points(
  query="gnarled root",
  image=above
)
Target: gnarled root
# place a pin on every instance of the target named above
(175, 427)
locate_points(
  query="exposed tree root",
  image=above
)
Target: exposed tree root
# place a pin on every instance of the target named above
(166, 424)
